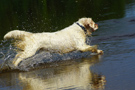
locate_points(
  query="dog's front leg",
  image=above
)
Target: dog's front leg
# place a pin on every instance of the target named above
(92, 49)
(85, 48)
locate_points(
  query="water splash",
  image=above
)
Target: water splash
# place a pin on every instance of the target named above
(7, 54)
(47, 57)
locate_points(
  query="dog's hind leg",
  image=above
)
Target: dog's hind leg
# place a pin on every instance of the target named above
(23, 55)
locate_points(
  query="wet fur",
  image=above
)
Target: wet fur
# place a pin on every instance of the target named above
(66, 40)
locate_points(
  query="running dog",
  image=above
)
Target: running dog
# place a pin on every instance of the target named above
(63, 41)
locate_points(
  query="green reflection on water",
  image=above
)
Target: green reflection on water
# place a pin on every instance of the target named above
(50, 15)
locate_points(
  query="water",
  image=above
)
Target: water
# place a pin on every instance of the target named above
(74, 71)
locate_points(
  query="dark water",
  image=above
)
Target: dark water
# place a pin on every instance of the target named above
(75, 71)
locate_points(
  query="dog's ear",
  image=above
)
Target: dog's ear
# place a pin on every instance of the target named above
(90, 24)
(87, 23)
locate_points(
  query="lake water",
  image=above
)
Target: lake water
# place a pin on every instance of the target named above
(115, 70)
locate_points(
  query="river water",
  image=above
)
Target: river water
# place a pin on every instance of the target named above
(115, 70)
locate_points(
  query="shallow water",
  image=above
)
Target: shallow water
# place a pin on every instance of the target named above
(75, 71)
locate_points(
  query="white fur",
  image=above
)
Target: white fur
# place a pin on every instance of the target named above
(63, 41)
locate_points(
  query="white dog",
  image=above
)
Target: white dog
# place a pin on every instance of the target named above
(66, 40)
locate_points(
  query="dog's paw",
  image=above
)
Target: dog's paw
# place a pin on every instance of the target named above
(100, 52)
(94, 49)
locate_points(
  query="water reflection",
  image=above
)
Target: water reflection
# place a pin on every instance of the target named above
(65, 75)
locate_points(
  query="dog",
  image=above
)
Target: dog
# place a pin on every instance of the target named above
(63, 41)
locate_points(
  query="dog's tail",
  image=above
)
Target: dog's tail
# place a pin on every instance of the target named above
(16, 34)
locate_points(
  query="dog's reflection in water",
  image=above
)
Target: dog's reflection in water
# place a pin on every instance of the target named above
(71, 74)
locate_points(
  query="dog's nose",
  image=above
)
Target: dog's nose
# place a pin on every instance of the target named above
(96, 25)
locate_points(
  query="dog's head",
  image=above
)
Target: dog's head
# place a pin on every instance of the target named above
(89, 25)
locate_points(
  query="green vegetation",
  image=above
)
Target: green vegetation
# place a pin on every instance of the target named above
(51, 15)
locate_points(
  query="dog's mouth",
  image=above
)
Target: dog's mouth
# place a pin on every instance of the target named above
(92, 29)
(95, 28)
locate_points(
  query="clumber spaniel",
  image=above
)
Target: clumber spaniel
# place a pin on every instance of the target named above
(63, 41)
